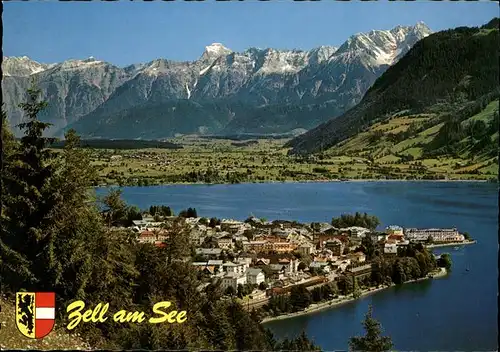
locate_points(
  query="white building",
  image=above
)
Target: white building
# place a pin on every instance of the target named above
(209, 252)
(233, 280)
(306, 249)
(235, 268)
(255, 276)
(341, 264)
(320, 265)
(225, 242)
(291, 265)
(438, 235)
(217, 264)
(377, 237)
(390, 248)
(356, 231)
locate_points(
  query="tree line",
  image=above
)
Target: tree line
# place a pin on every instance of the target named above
(54, 237)
(358, 219)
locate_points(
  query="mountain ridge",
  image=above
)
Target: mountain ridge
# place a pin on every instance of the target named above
(97, 91)
(450, 75)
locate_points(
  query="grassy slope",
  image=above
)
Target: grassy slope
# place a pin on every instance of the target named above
(11, 338)
(386, 152)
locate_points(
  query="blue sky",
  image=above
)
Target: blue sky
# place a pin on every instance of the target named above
(132, 32)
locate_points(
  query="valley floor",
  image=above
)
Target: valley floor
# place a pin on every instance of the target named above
(220, 161)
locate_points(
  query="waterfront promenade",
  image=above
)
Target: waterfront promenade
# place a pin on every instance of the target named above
(346, 299)
(450, 244)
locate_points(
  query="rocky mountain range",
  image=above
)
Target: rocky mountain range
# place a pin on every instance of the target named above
(449, 80)
(255, 91)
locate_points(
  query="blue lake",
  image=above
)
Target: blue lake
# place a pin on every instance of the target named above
(458, 312)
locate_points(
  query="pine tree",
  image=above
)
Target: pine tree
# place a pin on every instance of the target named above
(372, 341)
(29, 203)
(115, 207)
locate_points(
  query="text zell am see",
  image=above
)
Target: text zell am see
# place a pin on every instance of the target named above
(99, 315)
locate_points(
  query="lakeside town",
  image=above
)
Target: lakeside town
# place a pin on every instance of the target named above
(257, 259)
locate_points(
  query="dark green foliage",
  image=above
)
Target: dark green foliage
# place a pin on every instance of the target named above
(263, 286)
(133, 213)
(444, 261)
(493, 24)
(278, 305)
(377, 277)
(358, 219)
(244, 290)
(372, 341)
(119, 144)
(345, 285)
(189, 213)
(300, 297)
(324, 292)
(448, 139)
(160, 210)
(214, 222)
(28, 203)
(368, 247)
(375, 136)
(301, 343)
(320, 170)
(115, 208)
(230, 291)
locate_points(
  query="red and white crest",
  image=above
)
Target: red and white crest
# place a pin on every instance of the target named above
(35, 313)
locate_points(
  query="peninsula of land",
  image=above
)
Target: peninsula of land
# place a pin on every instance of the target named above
(340, 300)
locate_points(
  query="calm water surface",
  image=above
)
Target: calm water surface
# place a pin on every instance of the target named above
(458, 312)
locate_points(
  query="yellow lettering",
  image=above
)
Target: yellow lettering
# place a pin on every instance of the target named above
(124, 317)
(97, 315)
(135, 317)
(171, 317)
(157, 310)
(101, 317)
(181, 317)
(87, 316)
(120, 317)
(96, 310)
(76, 315)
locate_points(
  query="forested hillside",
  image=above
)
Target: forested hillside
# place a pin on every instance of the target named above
(448, 77)
(55, 238)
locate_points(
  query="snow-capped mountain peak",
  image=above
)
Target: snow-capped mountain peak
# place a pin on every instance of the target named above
(21, 66)
(215, 50)
(384, 47)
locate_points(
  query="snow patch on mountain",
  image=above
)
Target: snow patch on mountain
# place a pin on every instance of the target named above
(80, 64)
(22, 66)
(277, 61)
(202, 72)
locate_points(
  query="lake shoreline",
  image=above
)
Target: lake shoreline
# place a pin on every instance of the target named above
(451, 244)
(300, 181)
(346, 299)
